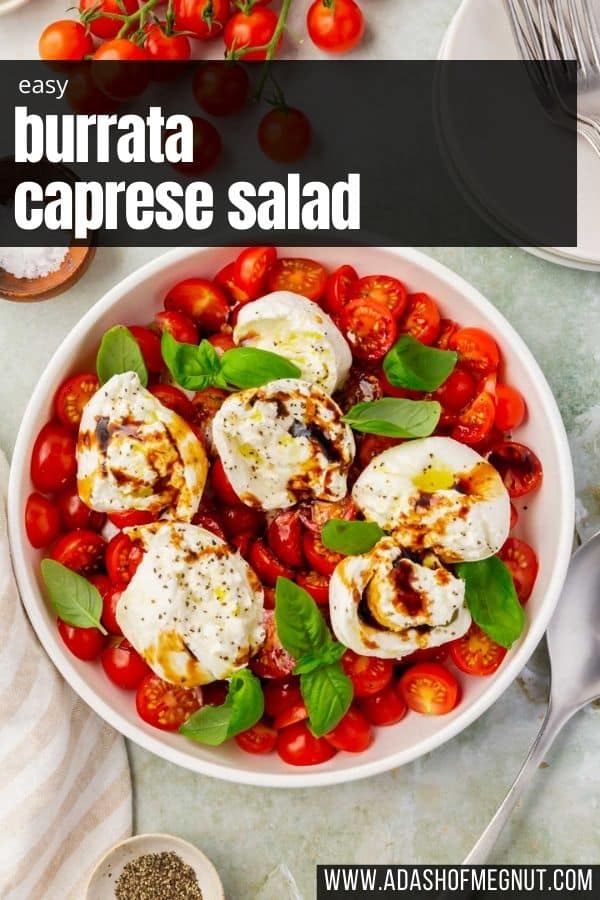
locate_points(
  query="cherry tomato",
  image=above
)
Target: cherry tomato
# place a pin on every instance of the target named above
(522, 563)
(178, 325)
(317, 555)
(240, 518)
(514, 516)
(102, 584)
(390, 390)
(222, 342)
(42, 520)
(297, 746)
(370, 328)
(160, 45)
(252, 28)
(75, 514)
(298, 275)
(207, 148)
(457, 390)
(284, 134)
(475, 422)
(371, 445)
(123, 665)
(384, 290)
(102, 26)
(510, 407)
(122, 80)
(385, 708)
(84, 643)
(204, 18)
(292, 714)
(261, 738)
(205, 518)
(53, 463)
(316, 585)
(272, 661)
(285, 537)
(82, 551)
(221, 87)
(174, 399)
(221, 485)
(225, 278)
(65, 39)
(122, 559)
(361, 386)
(83, 94)
(215, 693)
(268, 593)
(477, 350)
(110, 601)
(448, 328)
(426, 654)
(519, 467)
(243, 543)
(266, 565)
(429, 688)
(335, 26)
(201, 300)
(131, 517)
(72, 396)
(338, 289)
(251, 267)
(421, 319)
(317, 512)
(281, 695)
(476, 653)
(166, 706)
(352, 734)
(369, 674)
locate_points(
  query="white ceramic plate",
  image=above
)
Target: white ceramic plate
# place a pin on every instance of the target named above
(547, 524)
(481, 30)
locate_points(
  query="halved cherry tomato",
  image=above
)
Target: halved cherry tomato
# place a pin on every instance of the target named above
(382, 289)
(301, 276)
(251, 269)
(352, 734)
(131, 517)
(222, 341)
(448, 328)
(166, 706)
(272, 661)
(523, 565)
(519, 467)
(370, 327)
(297, 746)
(316, 585)
(475, 422)
(200, 299)
(457, 390)
(221, 485)
(361, 386)
(510, 407)
(215, 693)
(75, 514)
(72, 396)
(207, 403)
(149, 344)
(243, 543)
(429, 688)
(385, 708)
(476, 653)
(221, 88)
(110, 601)
(122, 559)
(84, 643)
(53, 463)
(338, 289)
(285, 538)
(317, 555)
(371, 445)
(266, 564)
(42, 520)
(240, 518)
(82, 551)
(123, 665)
(280, 695)
(178, 325)
(261, 738)
(225, 278)
(421, 319)
(316, 513)
(174, 399)
(369, 674)
(477, 350)
(296, 712)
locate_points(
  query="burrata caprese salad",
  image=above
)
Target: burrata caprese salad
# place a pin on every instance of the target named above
(280, 512)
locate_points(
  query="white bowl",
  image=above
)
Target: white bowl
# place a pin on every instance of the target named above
(547, 524)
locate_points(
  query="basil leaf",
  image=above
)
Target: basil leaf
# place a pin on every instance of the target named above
(395, 418)
(410, 364)
(192, 367)
(327, 693)
(300, 626)
(248, 367)
(120, 352)
(243, 707)
(492, 599)
(350, 538)
(76, 601)
(330, 653)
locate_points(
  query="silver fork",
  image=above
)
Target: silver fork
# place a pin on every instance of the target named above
(560, 30)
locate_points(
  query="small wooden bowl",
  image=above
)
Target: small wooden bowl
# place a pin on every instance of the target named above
(70, 270)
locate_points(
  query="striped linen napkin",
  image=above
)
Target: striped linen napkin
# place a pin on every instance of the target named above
(65, 789)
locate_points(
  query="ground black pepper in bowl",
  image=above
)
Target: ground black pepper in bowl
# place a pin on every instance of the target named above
(158, 876)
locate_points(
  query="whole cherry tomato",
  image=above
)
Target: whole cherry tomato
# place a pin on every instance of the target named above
(253, 27)
(42, 520)
(174, 399)
(385, 708)
(284, 134)
(160, 45)
(298, 746)
(149, 344)
(204, 18)
(352, 734)
(266, 565)
(281, 695)
(110, 601)
(102, 25)
(285, 537)
(123, 665)
(65, 39)
(335, 25)
(221, 485)
(75, 514)
(84, 643)
(53, 463)
(178, 325)
(221, 87)
(510, 407)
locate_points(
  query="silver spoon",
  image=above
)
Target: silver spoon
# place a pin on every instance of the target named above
(574, 645)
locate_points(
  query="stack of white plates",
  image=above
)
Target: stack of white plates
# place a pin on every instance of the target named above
(481, 30)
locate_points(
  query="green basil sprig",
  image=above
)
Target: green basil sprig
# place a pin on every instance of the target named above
(350, 538)
(76, 601)
(120, 352)
(198, 367)
(411, 364)
(242, 708)
(326, 689)
(492, 599)
(395, 417)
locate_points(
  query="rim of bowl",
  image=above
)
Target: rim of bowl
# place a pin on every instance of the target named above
(298, 779)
